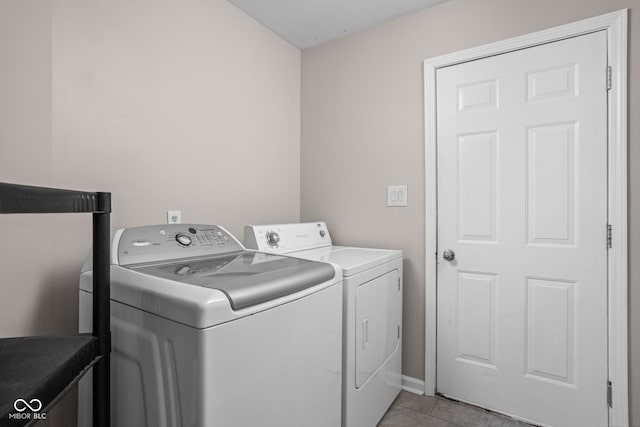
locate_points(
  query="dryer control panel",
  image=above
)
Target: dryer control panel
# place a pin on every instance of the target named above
(285, 238)
(172, 241)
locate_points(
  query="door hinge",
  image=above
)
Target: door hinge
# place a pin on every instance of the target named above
(398, 331)
(609, 77)
(609, 394)
(398, 283)
(609, 236)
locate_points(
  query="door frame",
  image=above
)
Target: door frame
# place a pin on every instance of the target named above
(615, 23)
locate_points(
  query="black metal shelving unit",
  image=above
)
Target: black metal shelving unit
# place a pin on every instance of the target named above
(43, 369)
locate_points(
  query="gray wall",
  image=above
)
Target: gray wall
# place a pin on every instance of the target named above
(167, 104)
(362, 129)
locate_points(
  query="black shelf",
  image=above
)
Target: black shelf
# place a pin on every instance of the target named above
(45, 368)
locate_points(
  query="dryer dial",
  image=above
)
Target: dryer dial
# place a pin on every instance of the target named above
(273, 238)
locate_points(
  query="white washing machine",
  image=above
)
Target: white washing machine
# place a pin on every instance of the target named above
(205, 333)
(372, 313)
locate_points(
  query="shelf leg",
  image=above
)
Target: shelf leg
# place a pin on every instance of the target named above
(101, 310)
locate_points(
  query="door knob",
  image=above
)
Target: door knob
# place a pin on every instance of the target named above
(449, 255)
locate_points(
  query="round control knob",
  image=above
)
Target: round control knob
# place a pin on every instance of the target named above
(183, 239)
(273, 238)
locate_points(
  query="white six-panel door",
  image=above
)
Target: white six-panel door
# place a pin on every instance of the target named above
(522, 203)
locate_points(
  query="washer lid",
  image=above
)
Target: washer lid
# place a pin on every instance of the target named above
(246, 278)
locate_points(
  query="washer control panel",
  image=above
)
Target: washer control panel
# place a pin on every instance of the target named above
(284, 238)
(171, 241)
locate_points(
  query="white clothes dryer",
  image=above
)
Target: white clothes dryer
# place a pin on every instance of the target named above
(206, 333)
(372, 313)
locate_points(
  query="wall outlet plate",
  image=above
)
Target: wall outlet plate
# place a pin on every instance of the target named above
(174, 217)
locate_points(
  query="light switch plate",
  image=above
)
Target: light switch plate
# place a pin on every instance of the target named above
(397, 195)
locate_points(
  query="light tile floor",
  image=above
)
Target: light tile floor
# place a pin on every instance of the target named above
(412, 410)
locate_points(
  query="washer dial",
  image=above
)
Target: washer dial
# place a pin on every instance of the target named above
(183, 239)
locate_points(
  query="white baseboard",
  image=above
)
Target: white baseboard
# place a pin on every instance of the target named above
(412, 385)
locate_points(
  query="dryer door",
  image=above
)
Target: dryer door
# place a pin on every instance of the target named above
(377, 324)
